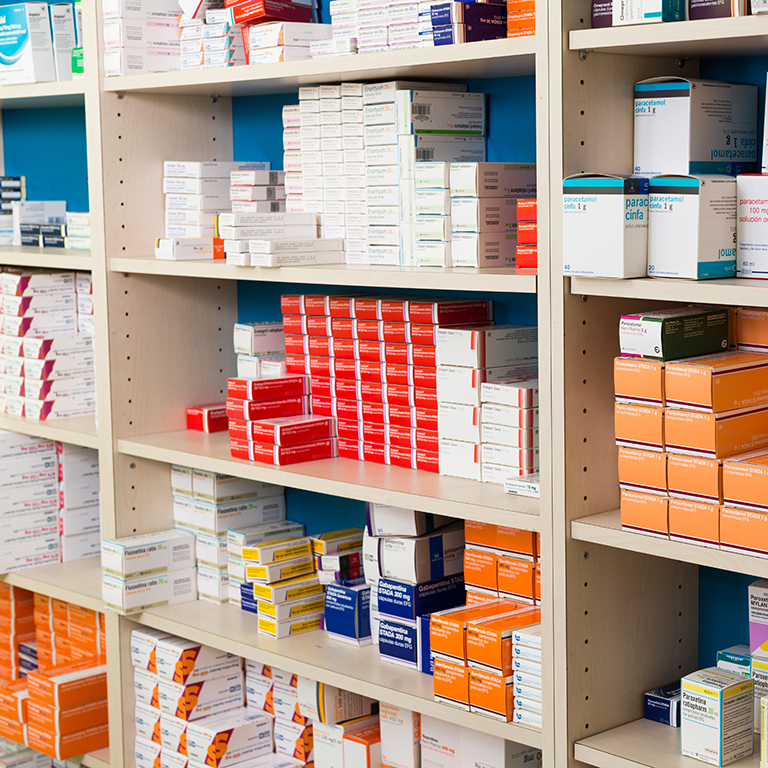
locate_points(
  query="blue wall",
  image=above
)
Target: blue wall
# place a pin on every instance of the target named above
(26, 131)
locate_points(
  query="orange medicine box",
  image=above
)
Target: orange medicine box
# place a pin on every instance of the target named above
(644, 471)
(645, 513)
(490, 536)
(69, 720)
(639, 426)
(12, 592)
(493, 695)
(518, 6)
(489, 640)
(13, 730)
(63, 746)
(451, 682)
(448, 628)
(85, 616)
(519, 21)
(537, 584)
(745, 481)
(752, 329)
(694, 522)
(638, 381)
(480, 568)
(515, 579)
(744, 531)
(718, 383)
(69, 685)
(13, 700)
(716, 435)
(695, 477)
(475, 595)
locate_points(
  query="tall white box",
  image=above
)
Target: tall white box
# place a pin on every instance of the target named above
(752, 226)
(64, 38)
(26, 46)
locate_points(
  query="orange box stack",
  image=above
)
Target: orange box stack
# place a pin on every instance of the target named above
(521, 18)
(527, 228)
(16, 628)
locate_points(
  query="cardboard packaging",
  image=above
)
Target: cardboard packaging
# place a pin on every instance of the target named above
(183, 661)
(751, 242)
(489, 640)
(424, 558)
(347, 613)
(144, 647)
(197, 700)
(441, 743)
(406, 602)
(26, 45)
(451, 682)
(695, 477)
(497, 537)
(692, 227)
(489, 347)
(161, 552)
(694, 522)
(491, 694)
(493, 180)
(326, 704)
(615, 206)
(385, 520)
(144, 592)
(640, 427)
(69, 685)
(243, 736)
(676, 131)
(662, 705)
(329, 738)
(363, 747)
(216, 488)
(644, 471)
(405, 644)
(212, 519)
(645, 513)
(400, 737)
(743, 531)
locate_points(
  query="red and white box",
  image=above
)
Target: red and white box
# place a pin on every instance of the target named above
(279, 388)
(282, 455)
(459, 422)
(253, 410)
(527, 458)
(450, 312)
(460, 459)
(207, 418)
(458, 384)
(291, 430)
(509, 436)
(292, 304)
(510, 416)
(297, 364)
(487, 347)
(519, 394)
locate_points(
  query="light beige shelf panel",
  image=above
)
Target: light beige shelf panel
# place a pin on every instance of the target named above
(65, 94)
(348, 478)
(53, 258)
(510, 280)
(642, 743)
(315, 655)
(76, 431)
(605, 529)
(490, 58)
(734, 291)
(97, 759)
(78, 582)
(743, 36)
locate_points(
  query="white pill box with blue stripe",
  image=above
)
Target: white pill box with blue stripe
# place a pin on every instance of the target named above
(423, 558)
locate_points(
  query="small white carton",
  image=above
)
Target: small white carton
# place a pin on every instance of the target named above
(207, 697)
(495, 752)
(64, 38)
(441, 743)
(752, 226)
(423, 558)
(386, 520)
(400, 736)
(149, 553)
(184, 661)
(136, 595)
(493, 179)
(486, 347)
(143, 647)
(323, 703)
(692, 227)
(243, 735)
(329, 739)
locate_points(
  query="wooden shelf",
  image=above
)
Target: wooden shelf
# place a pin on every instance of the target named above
(65, 94)
(78, 582)
(734, 291)
(348, 478)
(53, 258)
(642, 743)
(316, 655)
(77, 431)
(97, 759)
(486, 59)
(511, 280)
(605, 529)
(742, 36)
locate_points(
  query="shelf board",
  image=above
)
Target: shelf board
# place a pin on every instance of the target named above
(54, 258)
(509, 280)
(78, 582)
(413, 489)
(486, 59)
(742, 36)
(735, 291)
(316, 655)
(77, 431)
(642, 744)
(97, 759)
(65, 94)
(605, 529)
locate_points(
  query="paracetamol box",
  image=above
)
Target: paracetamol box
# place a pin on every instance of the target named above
(26, 46)
(186, 662)
(646, 513)
(752, 217)
(677, 131)
(615, 206)
(692, 227)
(161, 552)
(636, 380)
(716, 716)
(144, 592)
(220, 743)
(644, 471)
(406, 602)
(207, 697)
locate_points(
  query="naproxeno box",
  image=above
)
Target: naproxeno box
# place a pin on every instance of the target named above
(716, 716)
(692, 227)
(752, 226)
(617, 208)
(26, 45)
(678, 131)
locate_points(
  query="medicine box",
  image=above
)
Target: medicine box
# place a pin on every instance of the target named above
(347, 613)
(694, 522)
(676, 130)
(143, 647)
(240, 737)
(213, 519)
(491, 694)
(207, 697)
(26, 46)
(319, 702)
(644, 471)
(736, 659)
(615, 206)
(451, 683)
(406, 602)
(184, 661)
(218, 489)
(639, 381)
(430, 556)
(386, 520)
(744, 531)
(488, 347)
(758, 618)
(242, 538)
(692, 227)
(493, 180)
(489, 640)
(363, 747)
(441, 743)
(139, 594)
(662, 705)
(161, 552)
(752, 216)
(645, 513)
(695, 477)
(328, 738)
(400, 736)
(407, 644)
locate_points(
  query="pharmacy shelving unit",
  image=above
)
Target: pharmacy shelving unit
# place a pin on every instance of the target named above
(630, 604)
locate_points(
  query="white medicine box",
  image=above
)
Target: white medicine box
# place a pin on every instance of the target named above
(605, 225)
(26, 45)
(692, 227)
(752, 226)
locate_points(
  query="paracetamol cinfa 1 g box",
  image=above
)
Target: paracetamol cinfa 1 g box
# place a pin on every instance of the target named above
(716, 716)
(617, 208)
(692, 227)
(26, 46)
(679, 130)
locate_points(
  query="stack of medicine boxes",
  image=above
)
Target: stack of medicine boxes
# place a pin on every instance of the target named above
(18, 627)
(432, 222)
(260, 350)
(284, 40)
(84, 289)
(408, 585)
(527, 234)
(208, 504)
(29, 485)
(294, 736)
(467, 357)
(484, 211)
(14, 755)
(211, 43)
(521, 18)
(79, 512)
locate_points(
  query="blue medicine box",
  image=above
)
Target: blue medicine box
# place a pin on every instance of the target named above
(663, 705)
(406, 644)
(348, 613)
(405, 602)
